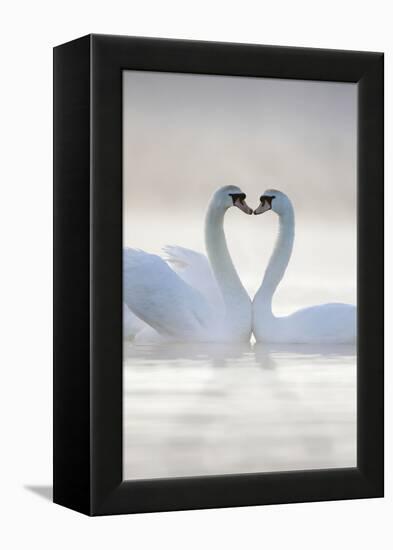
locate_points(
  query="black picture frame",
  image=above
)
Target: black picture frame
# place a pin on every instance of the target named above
(88, 366)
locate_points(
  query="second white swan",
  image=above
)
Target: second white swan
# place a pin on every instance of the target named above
(333, 323)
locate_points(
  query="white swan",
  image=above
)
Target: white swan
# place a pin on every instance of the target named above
(188, 307)
(333, 323)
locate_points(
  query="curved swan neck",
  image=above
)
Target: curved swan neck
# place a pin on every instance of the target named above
(220, 260)
(280, 257)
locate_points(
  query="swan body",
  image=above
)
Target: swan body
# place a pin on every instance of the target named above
(191, 266)
(333, 323)
(185, 303)
(132, 325)
(158, 296)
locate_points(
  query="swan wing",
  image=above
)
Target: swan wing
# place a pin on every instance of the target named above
(194, 268)
(162, 299)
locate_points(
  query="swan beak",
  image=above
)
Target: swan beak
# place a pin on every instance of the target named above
(263, 207)
(243, 206)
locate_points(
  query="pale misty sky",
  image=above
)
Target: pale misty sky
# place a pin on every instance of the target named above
(186, 135)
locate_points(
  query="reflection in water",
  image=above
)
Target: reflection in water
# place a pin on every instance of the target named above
(192, 409)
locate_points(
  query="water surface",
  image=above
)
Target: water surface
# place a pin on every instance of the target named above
(212, 409)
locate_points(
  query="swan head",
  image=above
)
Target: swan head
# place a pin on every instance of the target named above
(273, 200)
(231, 195)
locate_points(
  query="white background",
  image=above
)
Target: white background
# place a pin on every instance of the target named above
(28, 32)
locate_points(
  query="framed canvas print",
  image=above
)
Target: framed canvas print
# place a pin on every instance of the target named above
(218, 275)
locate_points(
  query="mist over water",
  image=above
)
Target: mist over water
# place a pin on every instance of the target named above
(203, 410)
(214, 409)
